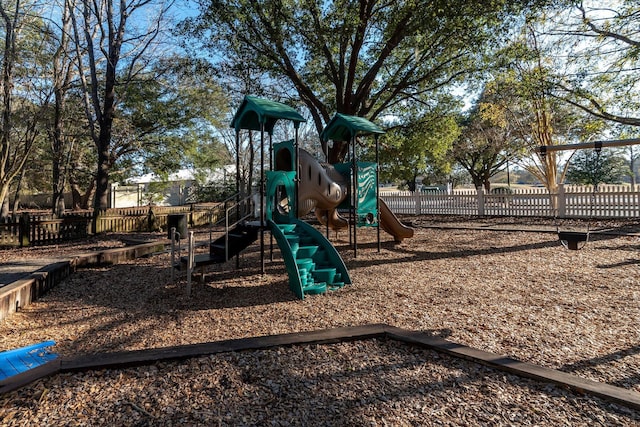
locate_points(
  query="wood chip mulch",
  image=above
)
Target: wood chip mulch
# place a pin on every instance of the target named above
(515, 293)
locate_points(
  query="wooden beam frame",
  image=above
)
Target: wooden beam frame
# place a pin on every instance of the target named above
(589, 145)
(124, 359)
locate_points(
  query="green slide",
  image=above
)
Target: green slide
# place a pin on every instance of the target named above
(313, 263)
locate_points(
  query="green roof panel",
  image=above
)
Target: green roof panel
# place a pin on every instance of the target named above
(256, 111)
(343, 127)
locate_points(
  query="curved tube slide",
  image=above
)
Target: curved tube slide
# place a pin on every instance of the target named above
(322, 188)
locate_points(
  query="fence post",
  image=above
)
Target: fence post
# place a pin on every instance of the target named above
(416, 197)
(190, 262)
(98, 221)
(24, 229)
(480, 191)
(562, 201)
(151, 220)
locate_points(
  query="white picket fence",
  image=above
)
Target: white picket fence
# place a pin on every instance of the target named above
(609, 201)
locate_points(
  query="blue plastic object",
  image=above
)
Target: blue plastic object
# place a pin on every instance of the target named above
(14, 362)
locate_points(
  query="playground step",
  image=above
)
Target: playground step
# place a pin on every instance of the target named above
(335, 286)
(236, 235)
(305, 263)
(287, 228)
(324, 275)
(315, 289)
(306, 251)
(292, 238)
(313, 264)
(237, 240)
(200, 260)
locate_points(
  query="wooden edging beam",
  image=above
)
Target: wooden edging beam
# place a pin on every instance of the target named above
(22, 292)
(143, 357)
(124, 359)
(580, 385)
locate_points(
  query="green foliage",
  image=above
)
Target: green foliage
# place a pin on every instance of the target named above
(520, 91)
(155, 192)
(365, 58)
(488, 140)
(418, 149)
(589, 168)
(23, 95)
(169, 121)
(212, 193)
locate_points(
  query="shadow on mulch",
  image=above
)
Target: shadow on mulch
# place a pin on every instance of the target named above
(414, 256)
(585, 365)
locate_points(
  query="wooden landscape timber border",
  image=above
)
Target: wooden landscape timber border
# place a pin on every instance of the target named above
(22, 292)
(125, 359)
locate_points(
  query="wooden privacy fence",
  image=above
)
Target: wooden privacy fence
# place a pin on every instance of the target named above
(41, 229)
(609, 201)
(32, 229)
(156, 218)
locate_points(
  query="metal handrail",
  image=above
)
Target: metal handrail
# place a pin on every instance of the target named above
(220, 206)
(175, 236)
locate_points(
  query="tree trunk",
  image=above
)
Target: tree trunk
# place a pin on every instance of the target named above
(101, 200)
(338, 152)
(58, 176)
(632, 166)
(80, 200)
(62, 74)
(487, 185)
(103, 144)
(412, 184)
(4, 201)
(16, 197)
(8, 54)
(477, 181)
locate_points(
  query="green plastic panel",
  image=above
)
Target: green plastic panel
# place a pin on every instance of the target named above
(256, 113)
(343, 127)
(280, 196)
(367, 212)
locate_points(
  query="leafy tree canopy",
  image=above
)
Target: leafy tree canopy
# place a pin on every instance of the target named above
(597, 47)
(490, 137)
(169, 122)
(367, 58)
(587, 167)
(418, 149)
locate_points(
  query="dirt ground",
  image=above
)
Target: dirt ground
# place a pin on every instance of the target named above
(514, 293)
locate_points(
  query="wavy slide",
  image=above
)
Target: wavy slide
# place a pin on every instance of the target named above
(391, 224)
(323, 188)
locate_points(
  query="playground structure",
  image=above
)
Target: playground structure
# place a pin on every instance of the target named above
(575, 240)
(296, 184)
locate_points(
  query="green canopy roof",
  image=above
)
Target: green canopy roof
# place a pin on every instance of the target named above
(343, 128)
(256, 111)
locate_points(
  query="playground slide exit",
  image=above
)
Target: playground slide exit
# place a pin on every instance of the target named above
(323, 188)
(391, 224)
